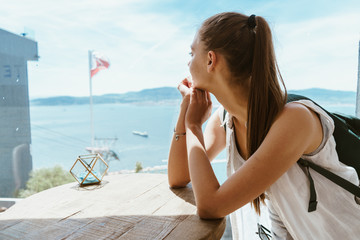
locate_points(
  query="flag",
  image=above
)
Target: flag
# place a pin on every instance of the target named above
(98, 62)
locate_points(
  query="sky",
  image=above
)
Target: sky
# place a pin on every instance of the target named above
(148, 41)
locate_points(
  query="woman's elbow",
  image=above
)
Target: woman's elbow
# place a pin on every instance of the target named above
(178, 184)
(209, 212)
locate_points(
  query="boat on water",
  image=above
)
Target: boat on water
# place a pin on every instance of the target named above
(142, 134)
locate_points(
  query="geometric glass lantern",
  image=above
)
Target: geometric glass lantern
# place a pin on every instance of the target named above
(89, 169)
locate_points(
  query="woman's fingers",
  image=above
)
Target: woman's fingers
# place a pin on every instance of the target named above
(193, 95)
(199, 108)
(183, 87)
(188, 82)
(201, 95)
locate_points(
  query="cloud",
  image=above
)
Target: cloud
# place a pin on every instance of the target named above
(138, 42)
(321, 52)
(147, 43)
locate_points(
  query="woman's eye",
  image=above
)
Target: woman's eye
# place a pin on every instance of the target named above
(190, 53)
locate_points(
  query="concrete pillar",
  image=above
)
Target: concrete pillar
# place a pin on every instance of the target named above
(15, 133)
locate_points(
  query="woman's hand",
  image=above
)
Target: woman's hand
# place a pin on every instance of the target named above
(185, 89)
(199, 109)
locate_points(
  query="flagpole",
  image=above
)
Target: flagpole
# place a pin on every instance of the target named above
(357, 112)
(91, 104)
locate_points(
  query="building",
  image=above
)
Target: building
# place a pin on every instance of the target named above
(15, 132)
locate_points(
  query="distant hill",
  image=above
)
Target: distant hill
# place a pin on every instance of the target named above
(170, 95)
(328, 97)
(151, 96)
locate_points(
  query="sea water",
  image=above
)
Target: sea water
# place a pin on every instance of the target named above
(61, 133)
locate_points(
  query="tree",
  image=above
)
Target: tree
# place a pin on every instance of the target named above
(138, 167)
(45, 178)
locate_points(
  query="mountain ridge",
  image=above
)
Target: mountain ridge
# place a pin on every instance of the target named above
(170, 95)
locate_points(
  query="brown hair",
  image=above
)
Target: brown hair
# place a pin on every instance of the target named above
(249, 52)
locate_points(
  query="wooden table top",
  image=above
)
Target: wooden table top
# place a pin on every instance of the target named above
(124, 206)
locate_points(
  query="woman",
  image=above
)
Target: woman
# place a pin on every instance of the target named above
(233, 58)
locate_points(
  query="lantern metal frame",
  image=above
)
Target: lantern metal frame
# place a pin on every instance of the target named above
(89, 167)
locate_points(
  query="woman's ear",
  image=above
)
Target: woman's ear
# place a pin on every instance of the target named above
(211, 61)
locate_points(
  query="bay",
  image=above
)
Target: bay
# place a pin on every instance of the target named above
(61, 133)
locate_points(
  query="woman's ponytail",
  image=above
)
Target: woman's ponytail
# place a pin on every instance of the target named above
(266, 99)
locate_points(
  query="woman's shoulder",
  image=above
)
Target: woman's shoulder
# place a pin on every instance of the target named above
(302, 122)
(304, 113)
(297, 119)
(296, 113)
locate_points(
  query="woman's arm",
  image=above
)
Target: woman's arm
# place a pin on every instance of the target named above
(178, 170)
(214, 136)
(291, 135)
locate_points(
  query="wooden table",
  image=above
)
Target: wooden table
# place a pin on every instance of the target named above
(123, 206)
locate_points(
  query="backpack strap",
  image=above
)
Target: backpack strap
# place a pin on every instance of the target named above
(347, 185)
(313, 197)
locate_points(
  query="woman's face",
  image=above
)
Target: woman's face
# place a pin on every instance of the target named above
(198, 63)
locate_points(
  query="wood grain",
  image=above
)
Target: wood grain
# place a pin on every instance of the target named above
(124, 206)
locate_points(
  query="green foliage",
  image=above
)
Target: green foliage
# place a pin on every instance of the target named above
(138, 167)
(45, 178)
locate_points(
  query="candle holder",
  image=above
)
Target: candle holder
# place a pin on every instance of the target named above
(89, 169)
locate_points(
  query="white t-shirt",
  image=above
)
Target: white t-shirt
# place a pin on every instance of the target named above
(337, 215)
